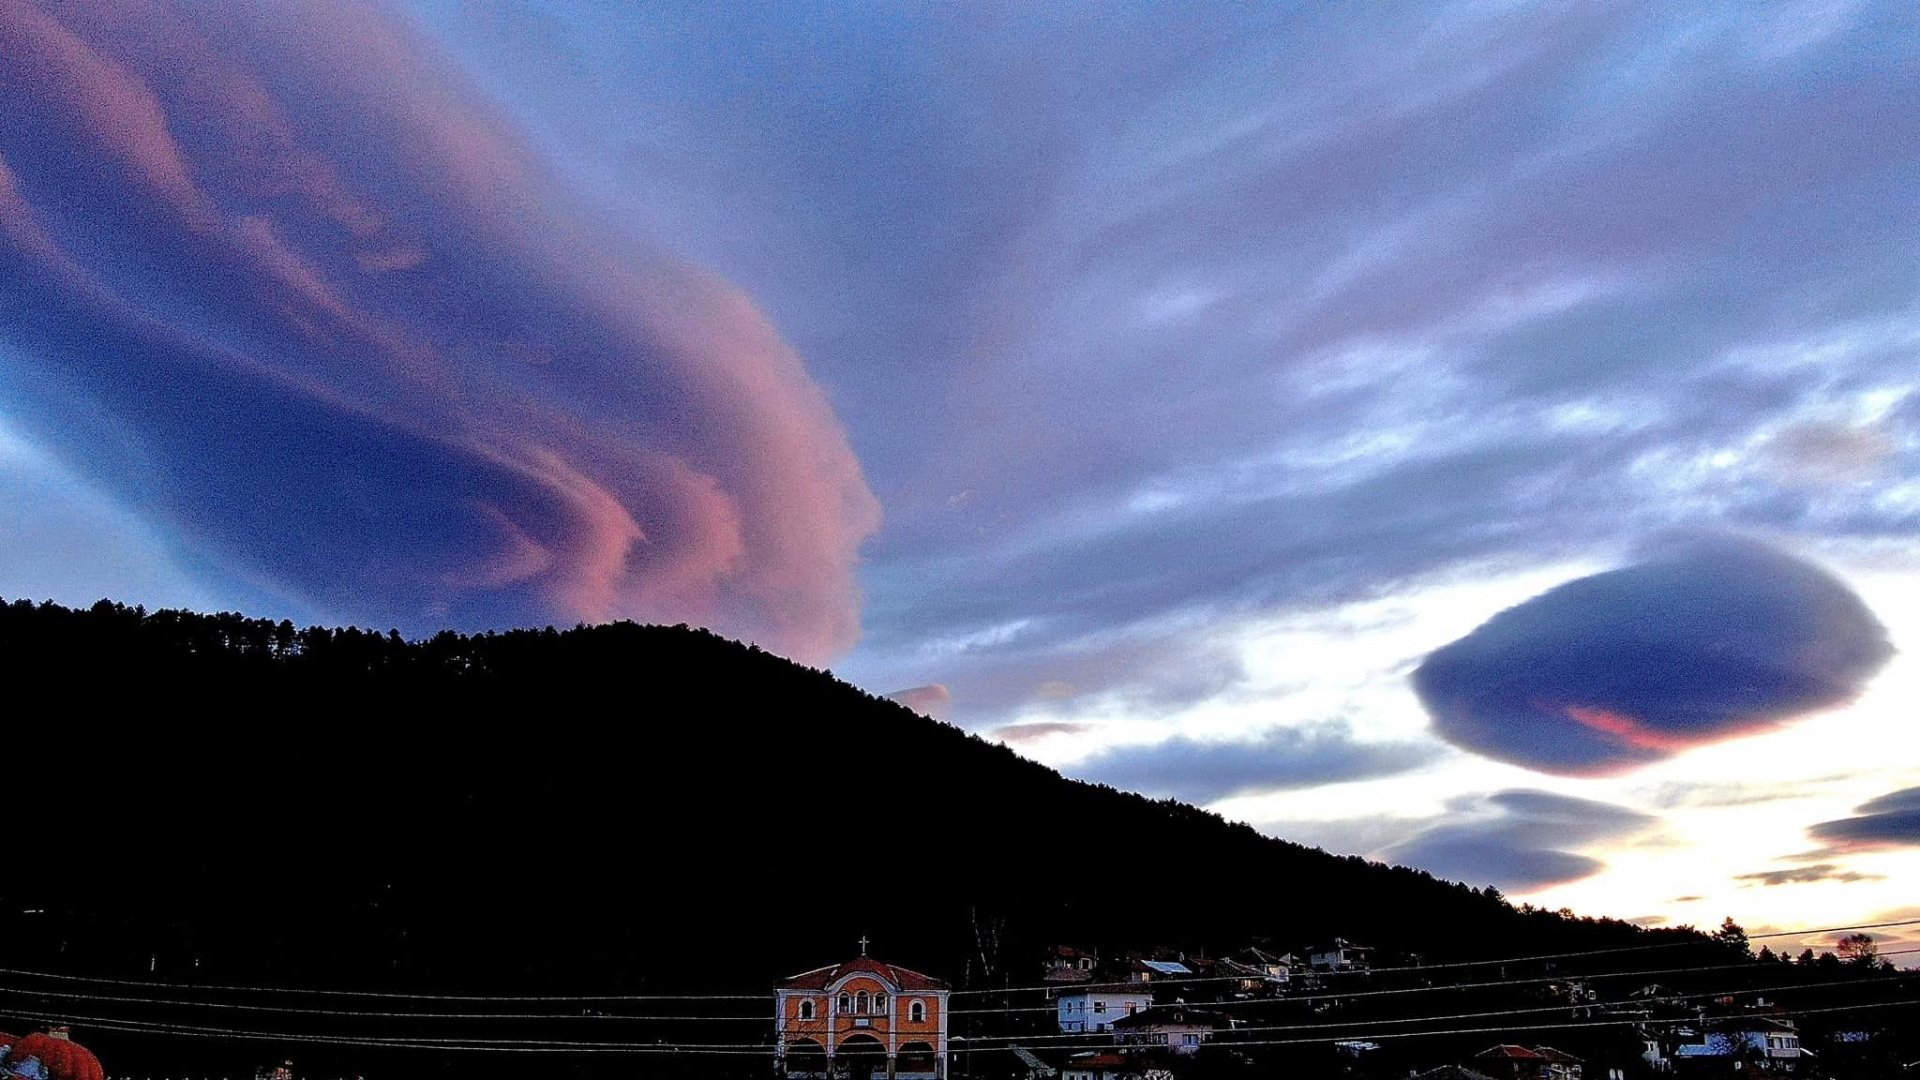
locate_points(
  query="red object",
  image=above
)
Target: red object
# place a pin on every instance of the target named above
(64, 1059)
(904, 978)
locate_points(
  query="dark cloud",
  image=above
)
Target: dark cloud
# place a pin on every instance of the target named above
(1708, 641)
(1202, 772)
(1800, 875)
(1892, 820)
(288, 287)
(1519, 840)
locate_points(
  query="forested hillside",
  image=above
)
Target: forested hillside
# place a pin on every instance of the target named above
(614, 809)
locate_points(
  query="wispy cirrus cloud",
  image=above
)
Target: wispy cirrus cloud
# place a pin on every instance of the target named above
(292, 289)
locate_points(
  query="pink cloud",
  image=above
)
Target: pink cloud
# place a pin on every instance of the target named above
(930, 701)
(667, 459)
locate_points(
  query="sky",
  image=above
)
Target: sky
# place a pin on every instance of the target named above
(1483, 436)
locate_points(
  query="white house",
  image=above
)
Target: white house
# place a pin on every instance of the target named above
(1340, 955)
(1095, 1008)
(1776, 1042)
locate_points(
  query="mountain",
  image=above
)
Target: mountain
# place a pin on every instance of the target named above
(620, 809)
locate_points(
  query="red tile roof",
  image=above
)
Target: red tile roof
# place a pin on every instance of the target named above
(902, 978)
(1508, 1050)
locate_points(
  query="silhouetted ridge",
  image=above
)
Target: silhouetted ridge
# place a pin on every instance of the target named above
(621, 808)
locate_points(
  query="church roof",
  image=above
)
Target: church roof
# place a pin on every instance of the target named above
(902, 978)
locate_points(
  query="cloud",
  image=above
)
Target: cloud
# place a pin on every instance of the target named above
(1519, 840)
(1704, 642)
(1892, 820)
(1818, 454)
(1801, 875)
(1671, 794)
(1289, 757)
(290, 289)
(930, 701)
(1017, 734)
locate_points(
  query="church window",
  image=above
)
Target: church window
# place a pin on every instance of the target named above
(917, 1012)
(846, 1003)
(879, 1002)
(860, 1002)
(806, 1008)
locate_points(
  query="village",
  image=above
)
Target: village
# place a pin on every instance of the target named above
(1335, 1009)
(1145, 1016)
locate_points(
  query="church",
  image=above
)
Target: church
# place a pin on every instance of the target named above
(861, 1019)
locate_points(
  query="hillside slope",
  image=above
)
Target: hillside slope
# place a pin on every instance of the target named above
(212, 799)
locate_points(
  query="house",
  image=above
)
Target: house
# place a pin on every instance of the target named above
(861, 1019)
(1558, 1064)
(1773, 1044)
(1095, 1008)
(1339, 955)
(1510, 1061)
(1180, 1028)
(1070, 965)
(1277, 968)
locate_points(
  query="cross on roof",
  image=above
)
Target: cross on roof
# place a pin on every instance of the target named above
(863, 944)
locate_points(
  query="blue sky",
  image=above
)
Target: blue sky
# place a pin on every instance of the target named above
(1163, 389)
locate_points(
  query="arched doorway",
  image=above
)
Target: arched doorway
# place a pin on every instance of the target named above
(805, 1058)
(860, 1057)
(916, 1059)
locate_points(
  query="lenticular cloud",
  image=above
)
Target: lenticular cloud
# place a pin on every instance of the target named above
(282, 282)
(1705, 642)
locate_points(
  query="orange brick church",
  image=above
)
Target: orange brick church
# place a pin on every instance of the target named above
(861, 1019)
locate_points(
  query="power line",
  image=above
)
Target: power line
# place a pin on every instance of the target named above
(1292, 999)
(586, 998)
(1349, 995)
(1456, 964)
(503, 1043)
(742, 1049)
(1486, 1014)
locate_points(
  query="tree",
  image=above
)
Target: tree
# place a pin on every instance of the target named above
(1732, 935)
(1859, 950)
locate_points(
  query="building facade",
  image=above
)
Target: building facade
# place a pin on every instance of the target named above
(861, 1019)
(1095, 1008)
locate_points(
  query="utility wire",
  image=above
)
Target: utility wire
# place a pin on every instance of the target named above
(1144, 988)
(755, 1050)
(581, 998)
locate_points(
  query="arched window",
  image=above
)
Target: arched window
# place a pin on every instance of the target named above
(860, 1002)
(879, 1002)
(806, 1008)
(846, 1003)
(917, 1011)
